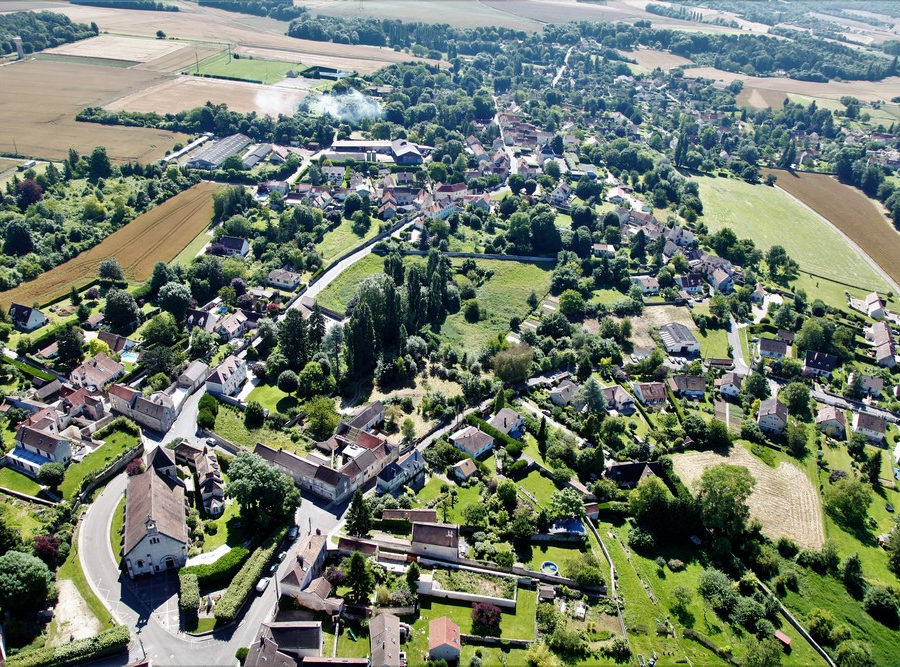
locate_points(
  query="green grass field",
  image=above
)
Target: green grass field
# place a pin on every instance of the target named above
(714, 343)
(342, 239)
(538, 486)
(25, 517)
(771, 217)
(191, 249)
(16, 481)
(272, 398)
(267, 71)
(500, 298)
(117, 443)
(341, 290)
(230, 425)
(115, 529)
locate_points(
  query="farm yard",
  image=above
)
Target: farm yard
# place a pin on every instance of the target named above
(156, 236)
(769, 217)
(849, 210)
(784, 499)
(41, 118)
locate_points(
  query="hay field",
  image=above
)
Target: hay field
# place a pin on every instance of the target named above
(40, 100)
(653, 318)
(215, 27)
(458, 13)
(760, 98)
(186, 56)
(113, 47)
(784, 500)
(189, 92)
(156, 236)
(652, 58)
(770, 217)
(867, 91)
(849, 210)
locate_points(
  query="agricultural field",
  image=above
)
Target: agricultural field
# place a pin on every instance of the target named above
(849, 210)
(652, 58)
(866, 91)
(784, 499)
(39, 120)
(189, 92)
(770, 216)
(114, 47)
(156, 236)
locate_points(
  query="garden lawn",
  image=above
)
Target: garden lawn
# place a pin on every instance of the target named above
(771, 217)
(556, 554)
(347, 648)
(500, 298)
(431, 490)
(23, 516)
(16, 481)
(230, 532)
(272, 398)
(342, 239)
(464, 498)
(116, 444)
(713, 344)
(538, 486)
(516, 623)
(193, 248)
(338, 294)
(230, 425)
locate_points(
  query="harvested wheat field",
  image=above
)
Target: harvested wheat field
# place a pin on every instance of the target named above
(131, 49)
(849, 210)
(652, 58)
(784, 500)
(156, 236)
(654, 317)
(44, 97)
(760, 98)
(189, 92)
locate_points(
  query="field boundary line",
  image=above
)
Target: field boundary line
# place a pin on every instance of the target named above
(862, 253)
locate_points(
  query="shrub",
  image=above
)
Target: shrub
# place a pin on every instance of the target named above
(219, 572)
(640, 539)
(619, 649)
(881, 603)
(787, 547)
(210, 528)
(486, 617)
(75, 652)
(676, 565)
(242, 653)
(245, 580)
(189, 593)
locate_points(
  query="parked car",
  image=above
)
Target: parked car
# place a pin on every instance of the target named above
(262, 585)
(273, 568)
(292, 533)
(281, 556)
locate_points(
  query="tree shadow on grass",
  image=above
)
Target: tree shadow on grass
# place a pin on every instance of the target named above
(285, 404)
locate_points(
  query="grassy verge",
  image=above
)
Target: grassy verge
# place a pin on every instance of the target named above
(115, 529)
(342, 239)
(191, 249)
(338, 294)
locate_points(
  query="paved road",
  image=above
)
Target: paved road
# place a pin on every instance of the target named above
(151, 636)
(737, 353)
(562, 68)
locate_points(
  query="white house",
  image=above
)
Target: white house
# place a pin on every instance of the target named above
(400, 472)
(228, 377)
(473, 441)
(831, 420)
(772, 416)
(564, 393)
(649, 286)
(508, 421)
(730, 384)
(235, 245)
(284, 279)
(156, 535)
(35, 447)
(26, 318)
(870, 426)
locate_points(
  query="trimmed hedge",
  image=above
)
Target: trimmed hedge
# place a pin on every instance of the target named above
(80, 651)
(242, 585)
(189, 593)
(219, 572)
(118, 424)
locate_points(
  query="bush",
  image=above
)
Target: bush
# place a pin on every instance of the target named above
(676, 565)
(189, 593)
(787, 547)
(80, 651)
(243, 583)
(242, 653)
(881, 603)
(486, 617)
(640, 539)
(219, 572)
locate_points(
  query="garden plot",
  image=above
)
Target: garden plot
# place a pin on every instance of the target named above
(784, 500)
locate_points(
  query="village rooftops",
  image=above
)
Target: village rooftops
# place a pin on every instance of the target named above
(153, 497)
(437, 534)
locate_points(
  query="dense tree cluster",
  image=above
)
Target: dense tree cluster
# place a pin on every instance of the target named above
(41, 30)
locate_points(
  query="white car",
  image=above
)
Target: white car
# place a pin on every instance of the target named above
(262, 585)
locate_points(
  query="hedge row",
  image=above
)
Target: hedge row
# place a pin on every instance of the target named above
(189, 593)
(219, 572)
(243, 583)
(79, 651)
(30, 370)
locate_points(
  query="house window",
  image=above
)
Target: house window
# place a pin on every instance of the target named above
(140, 563)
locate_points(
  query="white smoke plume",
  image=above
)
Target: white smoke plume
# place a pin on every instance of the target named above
(353, 106)
(274, 101)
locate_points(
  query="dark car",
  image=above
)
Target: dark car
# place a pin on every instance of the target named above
(292, 533)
